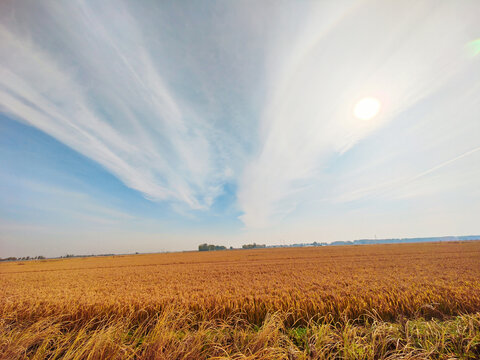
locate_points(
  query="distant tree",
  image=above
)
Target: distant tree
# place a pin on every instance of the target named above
(40, 257)
(253, 246)
(210, 247)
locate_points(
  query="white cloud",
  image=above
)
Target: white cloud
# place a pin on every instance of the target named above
(175, 101)
(400, 53)
(110, 103)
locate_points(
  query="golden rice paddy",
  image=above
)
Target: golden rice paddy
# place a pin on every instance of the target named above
(339, 302)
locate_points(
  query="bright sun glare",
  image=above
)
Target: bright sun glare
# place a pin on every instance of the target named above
(366, 108)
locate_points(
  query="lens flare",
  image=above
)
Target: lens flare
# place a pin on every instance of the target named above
(474, 47)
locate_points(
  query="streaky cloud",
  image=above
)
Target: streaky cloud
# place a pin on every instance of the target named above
(396, 56)
(111, 104)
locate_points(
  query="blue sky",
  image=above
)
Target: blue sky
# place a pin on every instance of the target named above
(155, 126)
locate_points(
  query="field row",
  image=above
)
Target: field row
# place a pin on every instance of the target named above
(343, 282)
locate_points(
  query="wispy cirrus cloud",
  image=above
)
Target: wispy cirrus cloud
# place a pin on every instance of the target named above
(245, 108)
(402, 55)
(104, 96)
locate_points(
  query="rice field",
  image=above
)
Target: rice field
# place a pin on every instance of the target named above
(348, 302)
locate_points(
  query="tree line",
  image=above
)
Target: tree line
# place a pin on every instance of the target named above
(211, 247)
(13, 258)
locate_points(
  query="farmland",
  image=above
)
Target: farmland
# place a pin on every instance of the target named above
(368, 302)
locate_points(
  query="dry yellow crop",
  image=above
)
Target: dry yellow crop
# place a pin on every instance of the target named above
(265, 303)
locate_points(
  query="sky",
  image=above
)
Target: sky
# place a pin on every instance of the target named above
(156, 126)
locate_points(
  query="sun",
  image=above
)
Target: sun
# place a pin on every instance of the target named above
(367, 108)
